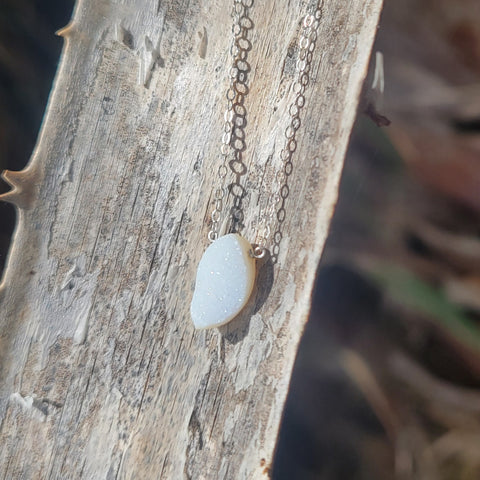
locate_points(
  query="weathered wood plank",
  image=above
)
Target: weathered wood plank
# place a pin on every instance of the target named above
(102, 373)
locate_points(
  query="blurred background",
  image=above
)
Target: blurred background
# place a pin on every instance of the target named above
(29, 54)
(387, 380)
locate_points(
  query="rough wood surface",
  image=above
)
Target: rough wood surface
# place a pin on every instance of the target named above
(102, 373)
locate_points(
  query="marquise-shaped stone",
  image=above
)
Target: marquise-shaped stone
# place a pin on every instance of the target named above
(225, 278)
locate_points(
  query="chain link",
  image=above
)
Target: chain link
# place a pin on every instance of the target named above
(274, 211)
(234, 117)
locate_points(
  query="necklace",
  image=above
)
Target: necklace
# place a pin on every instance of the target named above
(226, 271)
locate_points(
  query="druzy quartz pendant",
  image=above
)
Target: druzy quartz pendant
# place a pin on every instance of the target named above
(225, 278)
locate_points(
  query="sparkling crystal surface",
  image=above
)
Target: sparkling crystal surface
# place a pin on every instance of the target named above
(225, 278)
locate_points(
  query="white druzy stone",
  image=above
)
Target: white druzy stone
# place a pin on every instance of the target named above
(225, 278)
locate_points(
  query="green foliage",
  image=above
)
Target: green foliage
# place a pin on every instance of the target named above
(409, 290)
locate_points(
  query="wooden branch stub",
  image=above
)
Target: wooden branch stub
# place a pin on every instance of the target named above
(102, 373)
(23, 187)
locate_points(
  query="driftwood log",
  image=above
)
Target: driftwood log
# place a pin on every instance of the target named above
(102, 373)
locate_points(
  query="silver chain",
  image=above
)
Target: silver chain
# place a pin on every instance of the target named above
(235, 111)
(235, 121)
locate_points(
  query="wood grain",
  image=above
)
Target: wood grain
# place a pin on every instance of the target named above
(102, 373)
